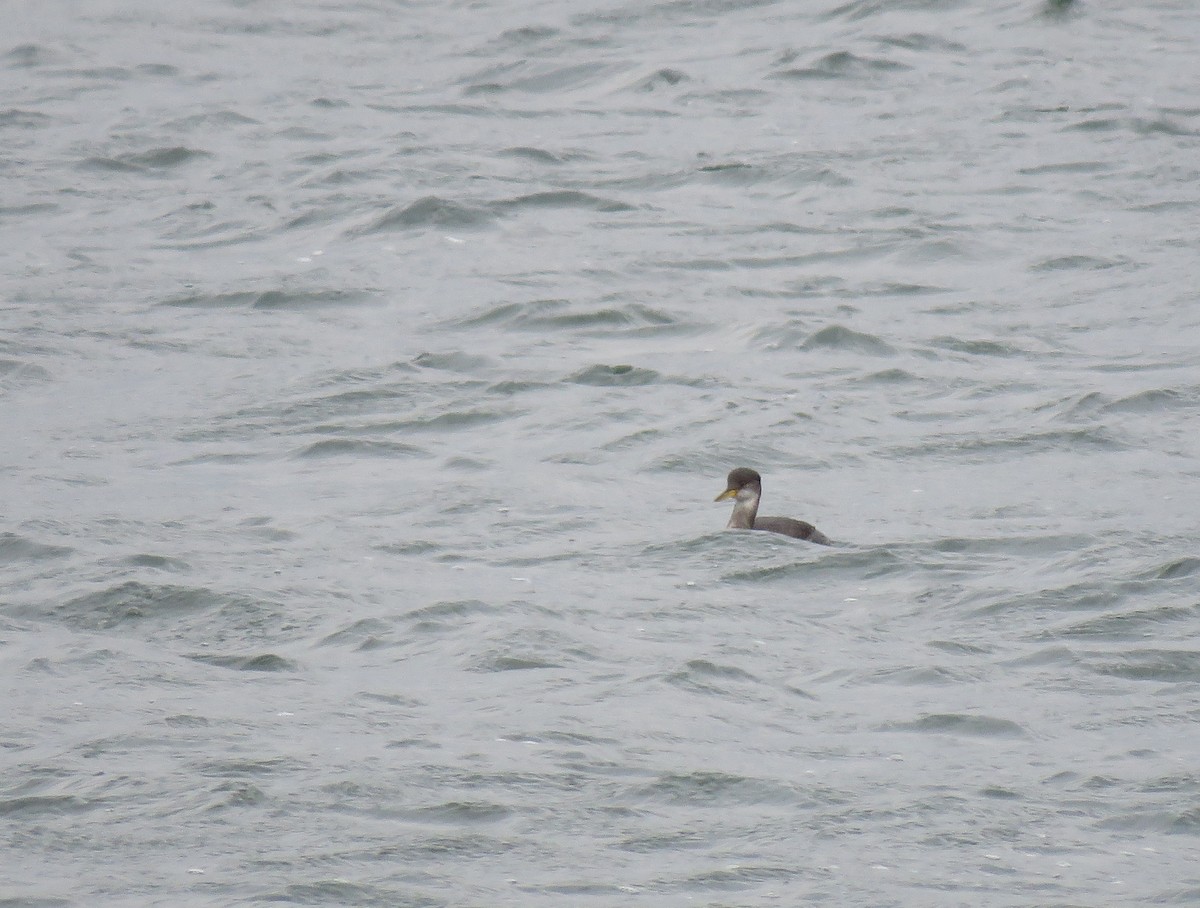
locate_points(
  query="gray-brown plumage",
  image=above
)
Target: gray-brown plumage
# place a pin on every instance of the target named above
(745, 486)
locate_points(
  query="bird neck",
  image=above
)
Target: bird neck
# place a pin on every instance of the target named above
(745, 509)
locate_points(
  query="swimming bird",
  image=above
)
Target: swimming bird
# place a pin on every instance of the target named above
(745, 486)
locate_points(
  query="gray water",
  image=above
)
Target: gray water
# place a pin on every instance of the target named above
(369, 369)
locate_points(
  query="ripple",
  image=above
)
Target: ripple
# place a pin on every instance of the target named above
(560, 314)
(560, 198)
(359, 447)
(840, 65)
(430, 211)
(838, 337)
(16, 549)
(715, 789)
(133, 603)
(1161, 665)
(961, 726)
(272, 299)
(263, 662)
(615, 376)
(156, 159)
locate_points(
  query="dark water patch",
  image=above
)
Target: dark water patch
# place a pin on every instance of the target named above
(342, 892)
(660, 79)
(701, 674)
(157, 562)
(415, 547)
(535, 78)
(18, 118)
(327, 212)
(632, 440)
(958, 648)
(110, 165)
(742, 876)
(156, 159)
(866, 9)
(976, 347)
(876, 562)
(186, 720)
(1181, 567)
(426, 212)
(1091, 596)
(1167, 206)
(463, 847)
(133, 603)
(581, 890)
(1093, 404)
(502, 662)
(453, 361)
(158, 70)
(358, 447)
(788, 336)
(741, 172)
(889, 377)
(1155, 400)
(922, 41)
(675, 840)
(918, 676)
(1183, 783)
(1077, 263)
(280, 299)
(468, 464)
(16, 549)
(984, 447)
(1130, 625)
(399, 701)
(960, 725)
(454, 419)
(615, 376)
(484, 109)
(232, 795)
(212, 120)
(35, 807)
(1096, 124)
(561, 315)
(1166, 666)
(784, 171)
(737, 101)
(301, 299)
(513, 388)
(446, 611)
(1071, 167)
(1030, 545)
(717, 789)
(839, 337)
(538, 155)
(523, 37)
(465, 812)
(568, 738)
(1058, 10)
(1053, 656)
(27, 56)
(890, 289)
(839, 65)
(1161, 126)
(1171, 821)
(561, 198)
(1085, 406)
(264, 662)
(1001, 794)
(699, 264)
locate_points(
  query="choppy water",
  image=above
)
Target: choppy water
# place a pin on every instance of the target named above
(367, 374)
